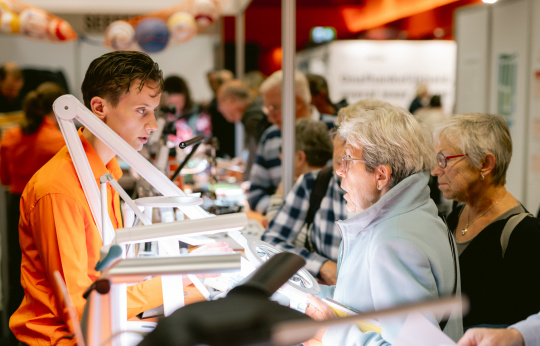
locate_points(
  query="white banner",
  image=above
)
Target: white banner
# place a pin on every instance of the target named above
(386, 70)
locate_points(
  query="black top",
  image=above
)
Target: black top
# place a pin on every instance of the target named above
(255, 122)
(223, 130)
(501, 291)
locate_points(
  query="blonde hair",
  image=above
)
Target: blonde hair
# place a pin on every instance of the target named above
(301, 85)
(388, 135)
(477, 134)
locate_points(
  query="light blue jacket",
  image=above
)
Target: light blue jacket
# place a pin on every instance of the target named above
(397, 251)
(529, 329)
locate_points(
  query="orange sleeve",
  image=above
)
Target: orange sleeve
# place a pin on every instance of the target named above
(143, 296)
(58, 226)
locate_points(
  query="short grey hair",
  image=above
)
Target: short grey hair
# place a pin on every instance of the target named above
(312, 138)
(477, 134)
(301, 85)
(388, 135)
(354, 109)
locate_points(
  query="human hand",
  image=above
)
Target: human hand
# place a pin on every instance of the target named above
(265, 222)
(328, 272)
(279, 190)
(491, 337)
(210, 248)
(318, 310)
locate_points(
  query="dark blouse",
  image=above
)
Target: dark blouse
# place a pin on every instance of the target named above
(501, 291)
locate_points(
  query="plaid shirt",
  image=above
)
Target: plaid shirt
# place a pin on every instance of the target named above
(266, 170)
(324, 234)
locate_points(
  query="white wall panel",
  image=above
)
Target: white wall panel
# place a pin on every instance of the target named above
(509, 81)
(471, 32)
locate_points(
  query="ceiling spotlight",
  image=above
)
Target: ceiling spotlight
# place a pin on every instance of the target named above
(489, 1)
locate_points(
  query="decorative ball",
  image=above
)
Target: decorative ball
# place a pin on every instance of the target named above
(182, 26)
(152, 35)
(206, 12)
(60, 30)
(120, 35)
(8, 5)
(9, 22)
(34, 23)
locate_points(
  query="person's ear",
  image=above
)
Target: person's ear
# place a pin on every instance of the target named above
(98, 107)
(488, 164)
(383, 173)
(300, 156)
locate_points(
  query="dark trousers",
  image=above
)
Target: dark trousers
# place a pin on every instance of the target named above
(15, 289)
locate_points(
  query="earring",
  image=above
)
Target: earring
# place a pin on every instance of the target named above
(481, 176)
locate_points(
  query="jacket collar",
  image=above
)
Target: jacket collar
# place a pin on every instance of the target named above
(409, 194)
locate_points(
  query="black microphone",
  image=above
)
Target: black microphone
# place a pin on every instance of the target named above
(192, 141)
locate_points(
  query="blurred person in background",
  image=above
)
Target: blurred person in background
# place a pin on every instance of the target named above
(222, 129)
(236, 103)
(23, 150)
(305, 222)
(185, 118)
(320, 96)
(266, 170)
(433, 114)
(421, 98)
(11, 83)
(253, 80)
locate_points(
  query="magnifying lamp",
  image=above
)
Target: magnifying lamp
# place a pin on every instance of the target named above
(245, 316)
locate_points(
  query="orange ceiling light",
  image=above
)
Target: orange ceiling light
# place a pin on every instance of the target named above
(376, 13)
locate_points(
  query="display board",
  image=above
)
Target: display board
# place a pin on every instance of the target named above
(386, 70)
(512, 81)
(532, 182)
(509, 82)
(471, 32)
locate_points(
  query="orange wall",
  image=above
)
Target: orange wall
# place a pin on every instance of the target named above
(411, 19)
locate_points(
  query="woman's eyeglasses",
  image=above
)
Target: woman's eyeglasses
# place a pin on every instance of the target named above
(442, 160)
(346, 162)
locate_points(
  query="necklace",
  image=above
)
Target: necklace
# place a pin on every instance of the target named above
(463, 231)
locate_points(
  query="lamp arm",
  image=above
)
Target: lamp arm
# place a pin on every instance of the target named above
(68, 107)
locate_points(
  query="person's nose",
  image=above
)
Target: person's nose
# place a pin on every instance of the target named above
(339, 170)
(437, 170)
(151, 126)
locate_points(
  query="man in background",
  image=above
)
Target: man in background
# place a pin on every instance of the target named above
(266, 170)
(236, 104)
(11, 83)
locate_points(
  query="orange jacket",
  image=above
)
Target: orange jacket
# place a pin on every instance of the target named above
(21, 155)
(57, 232)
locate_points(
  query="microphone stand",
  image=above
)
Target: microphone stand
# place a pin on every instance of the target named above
(194, 141)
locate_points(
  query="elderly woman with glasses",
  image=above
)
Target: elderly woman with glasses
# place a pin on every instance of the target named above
(396, 250)
(500, 270)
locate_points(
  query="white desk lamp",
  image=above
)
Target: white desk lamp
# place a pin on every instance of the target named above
(296, 288)
(67, 108)
(100, 324)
